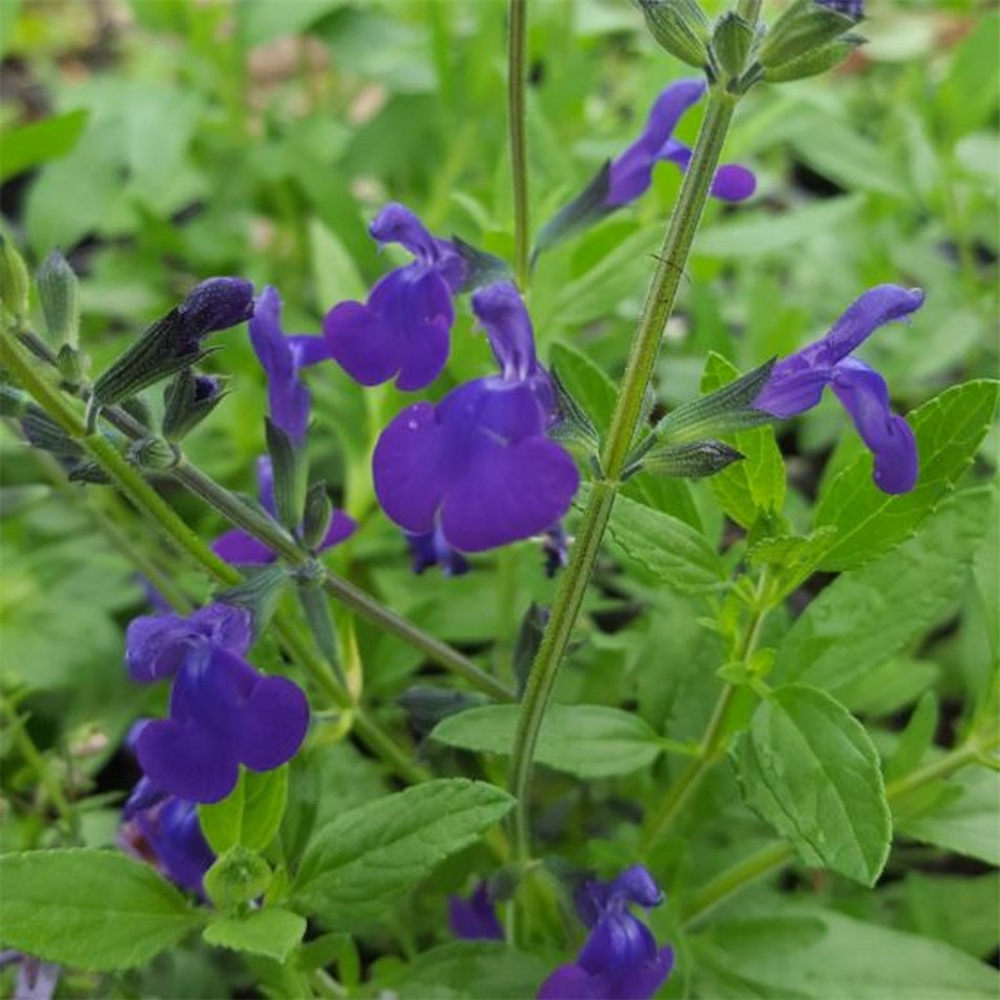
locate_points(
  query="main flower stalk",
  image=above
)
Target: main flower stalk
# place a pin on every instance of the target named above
(659, 304)
(517, 45)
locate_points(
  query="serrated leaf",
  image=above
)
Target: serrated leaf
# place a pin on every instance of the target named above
(274, 933)
(365, 859)
(95, 910)
(808, 767)
(756, 485)
(793, 558)
(664, 548)
(868, 615)
(949, 429)
(250, 815)
(590, 741)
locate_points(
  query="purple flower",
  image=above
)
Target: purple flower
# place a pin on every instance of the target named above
(620, 959)
(478, 465)
(223, 713)
(215, 304)
(852, 8)
(474, 918)
(36, 980)
(797, 382)
(281, 358)
(632, 173)
(432, 550)
(402, 331)
(157, 646)
(240, 548)
(165, 830)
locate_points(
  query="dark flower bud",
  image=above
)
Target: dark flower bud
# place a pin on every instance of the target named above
(14, 282)
(173, 342)
(680, 27)
(153, 454)
(187, 401)
(13, 402)
(88, 472)
(852, 8)
(58, 294)
(44, 433)
(216, 304)
(317, 516)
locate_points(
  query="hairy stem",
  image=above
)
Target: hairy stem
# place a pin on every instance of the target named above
(659, 303)
(517, 44)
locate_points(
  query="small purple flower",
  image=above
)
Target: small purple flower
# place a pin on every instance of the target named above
(797, 382)
(475, 918)
(165, 830)
(223, 713)
(432, 550)
(620, 959)
(36, 980)
(157, 646)
(632, 173)
(215, 304)
(402, 331)
(281, 358)
(852, 8)
(242, 549)
(478, 465)
(555, 548)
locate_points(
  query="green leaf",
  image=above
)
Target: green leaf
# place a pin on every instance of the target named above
(250, 815)
(95, 910)
(664, 548)
(792, 558)
(965, 823)
(586, 383)
(756, 485)
(365, 859)
(949, 430)
(590, 741)
(274, 933)
(868, 615)
(816, 955)
(37, 143)
(261, 21)
(916, 739)
(767, 232)
(808, 767)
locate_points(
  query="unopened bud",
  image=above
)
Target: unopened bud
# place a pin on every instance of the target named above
(14, 282)
(188, 400)
(58, 294)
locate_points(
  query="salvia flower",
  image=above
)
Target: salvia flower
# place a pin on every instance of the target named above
(223, 713)
(478, 465)
(632, 173)
(402, 331)
(797, 382)
(475, 918)
(620, 959)
(36, 980)
(280, 357)
(431, 549)
(852, 8)
(216, 304)
(165, 830)
(242, 549)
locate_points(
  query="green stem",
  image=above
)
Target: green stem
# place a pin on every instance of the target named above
(517, 45)
(775, 856)
(659, 303)
(37, 762)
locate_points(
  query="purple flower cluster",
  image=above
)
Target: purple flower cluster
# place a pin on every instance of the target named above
(478, 466)
(797, 383)
(620, 959)
(223, 713)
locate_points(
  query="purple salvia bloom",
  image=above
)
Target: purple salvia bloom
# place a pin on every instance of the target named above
(165, 830)
(852, 8)
(478, 465)
(288, 397)
(36, 980)
(157, 646)
(242, 549)
(475, 918)
(620, 959)
(432, 550)
(223, 713)
(797, 382)
(402, 331)
(632, 173)
(215, 304)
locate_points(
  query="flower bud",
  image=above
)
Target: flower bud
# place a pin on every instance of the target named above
(680, 27)
(72, 364)
(58, 294)
(42, 432)
(317, 516)
(14, 282)
(690, 461)
(153, 454)
(13, 402)
(187, 401)
(804, 28)
(216, 304)
(291, 469)
(730, 44)
(239, 876)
